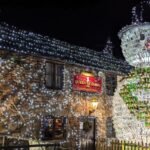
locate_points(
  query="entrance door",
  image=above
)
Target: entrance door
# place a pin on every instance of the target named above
(87, 133)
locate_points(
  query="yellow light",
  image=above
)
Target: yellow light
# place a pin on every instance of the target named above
(94, 104)
(88, 74)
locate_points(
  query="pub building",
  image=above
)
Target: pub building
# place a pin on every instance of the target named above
(51, 90)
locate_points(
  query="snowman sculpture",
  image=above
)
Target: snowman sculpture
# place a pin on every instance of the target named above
(131, 102)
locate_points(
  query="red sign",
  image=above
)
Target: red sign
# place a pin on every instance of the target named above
(87, 83)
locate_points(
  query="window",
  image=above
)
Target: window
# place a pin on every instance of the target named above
(53, 128)
(111, 83)
(54, 75)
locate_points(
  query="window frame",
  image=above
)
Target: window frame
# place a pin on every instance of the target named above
(54, 75)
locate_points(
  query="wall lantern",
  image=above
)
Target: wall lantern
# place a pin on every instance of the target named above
(94, 103)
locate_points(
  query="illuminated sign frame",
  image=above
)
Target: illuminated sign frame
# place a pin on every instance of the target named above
(88, 83)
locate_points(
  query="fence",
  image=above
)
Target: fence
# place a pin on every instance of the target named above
(121, 145)
(87, 145)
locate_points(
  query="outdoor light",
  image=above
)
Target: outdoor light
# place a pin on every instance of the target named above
(94, 104)
(135, 48)
(87, 74)
(131, 101)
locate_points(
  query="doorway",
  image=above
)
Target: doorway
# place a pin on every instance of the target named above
(87, 133)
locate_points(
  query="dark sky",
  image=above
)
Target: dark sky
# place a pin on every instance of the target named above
(85, 23)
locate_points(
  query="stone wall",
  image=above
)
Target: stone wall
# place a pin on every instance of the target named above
(25, 100)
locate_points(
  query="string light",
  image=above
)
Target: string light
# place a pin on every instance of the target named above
(19, 108)
(126, 125)
(28, 100)
(24, 42)
(129, 124)
(135, 37)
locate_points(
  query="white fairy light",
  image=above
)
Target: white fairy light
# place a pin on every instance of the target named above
(26, 107)
(126, 125)
(135, 48)
(135, 38)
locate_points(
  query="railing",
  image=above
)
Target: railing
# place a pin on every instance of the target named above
(121, 145)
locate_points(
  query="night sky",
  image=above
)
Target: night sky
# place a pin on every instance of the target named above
(84, 24)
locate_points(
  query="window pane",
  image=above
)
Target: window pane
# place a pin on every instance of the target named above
(54, 75)
(111, 83)
(49, 68)
(48, 81)
(59, 75)
(58, 82)
(49, 74)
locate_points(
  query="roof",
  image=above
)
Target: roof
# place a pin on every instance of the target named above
(24, 42)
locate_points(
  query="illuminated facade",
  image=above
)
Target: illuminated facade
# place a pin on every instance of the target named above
(43, 79)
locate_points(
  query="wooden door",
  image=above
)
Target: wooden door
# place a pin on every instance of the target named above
(87, 133)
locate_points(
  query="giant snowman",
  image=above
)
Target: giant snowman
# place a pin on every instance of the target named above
(131, 101)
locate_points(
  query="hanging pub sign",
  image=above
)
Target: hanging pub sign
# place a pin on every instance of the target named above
(87, 82)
